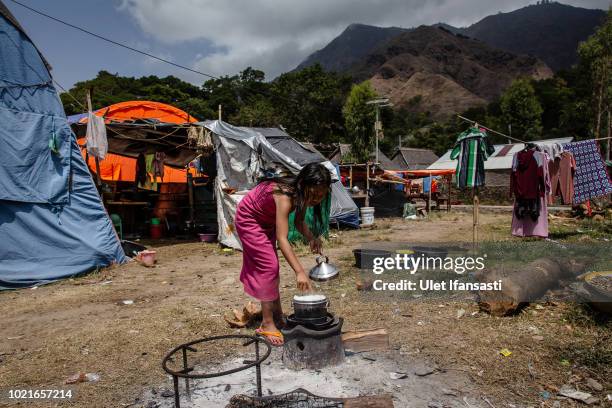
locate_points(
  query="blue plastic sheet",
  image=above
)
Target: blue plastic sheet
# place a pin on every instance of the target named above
(52, 222)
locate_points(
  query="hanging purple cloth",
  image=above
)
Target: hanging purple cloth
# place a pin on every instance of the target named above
(591, 179)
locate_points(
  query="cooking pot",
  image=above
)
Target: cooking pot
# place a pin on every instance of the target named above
(310, 307)
(323, 270)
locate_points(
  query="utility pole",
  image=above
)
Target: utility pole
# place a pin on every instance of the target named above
(510, 133)
(378, 103)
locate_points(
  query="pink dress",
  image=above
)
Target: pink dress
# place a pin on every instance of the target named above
(255, 223)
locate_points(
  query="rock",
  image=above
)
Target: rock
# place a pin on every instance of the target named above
(368, 357)
(538, 338)
(594, 385)
(167, 393)
(568, 391)
(449, 392)
(460, 313)
(424, 370)
(397, 376)
(227, 388)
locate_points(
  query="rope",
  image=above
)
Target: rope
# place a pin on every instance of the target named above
(490, 130)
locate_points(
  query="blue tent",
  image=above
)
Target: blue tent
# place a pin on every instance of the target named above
(52, 222)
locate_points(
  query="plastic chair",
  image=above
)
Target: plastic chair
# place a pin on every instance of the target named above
(118, 224)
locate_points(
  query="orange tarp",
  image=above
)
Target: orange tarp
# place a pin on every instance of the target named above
(131, 110)
(421, 173)
(121, 168)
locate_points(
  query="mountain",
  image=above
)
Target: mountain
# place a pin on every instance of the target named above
(431, 69)
(549, 31)
(350, 46)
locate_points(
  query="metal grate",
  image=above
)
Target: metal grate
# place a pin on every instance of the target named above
(295, 399)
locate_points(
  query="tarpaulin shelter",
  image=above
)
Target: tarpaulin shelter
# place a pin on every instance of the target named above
(134, 110)
(121, 166)
(244, 155)
(51, 217)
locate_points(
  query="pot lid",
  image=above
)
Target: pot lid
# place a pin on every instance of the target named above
(323, 271)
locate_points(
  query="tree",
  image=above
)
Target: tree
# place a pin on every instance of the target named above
(309, 103)
(596, 60)
(359, 120)
(521, 109)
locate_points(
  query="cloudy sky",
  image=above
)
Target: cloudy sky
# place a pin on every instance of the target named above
(222, 37)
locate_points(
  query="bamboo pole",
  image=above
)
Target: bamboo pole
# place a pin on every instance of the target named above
(351, 177)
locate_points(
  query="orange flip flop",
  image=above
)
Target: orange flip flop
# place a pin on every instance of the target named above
(269, 334)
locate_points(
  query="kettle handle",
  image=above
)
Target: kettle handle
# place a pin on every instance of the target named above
(321, 257)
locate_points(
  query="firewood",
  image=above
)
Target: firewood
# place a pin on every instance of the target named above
(366, 340)
(521, 286)
(369, 402)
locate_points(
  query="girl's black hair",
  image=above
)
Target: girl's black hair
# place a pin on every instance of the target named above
(312, 175)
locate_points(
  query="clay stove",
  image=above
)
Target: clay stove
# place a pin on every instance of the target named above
(312, 340)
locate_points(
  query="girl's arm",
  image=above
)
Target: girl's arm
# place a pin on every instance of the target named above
(283, 208)
(315, 243)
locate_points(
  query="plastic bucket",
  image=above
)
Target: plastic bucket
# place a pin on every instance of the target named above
(367, 215)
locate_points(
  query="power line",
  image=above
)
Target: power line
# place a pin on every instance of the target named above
(113, 41)
(252, 91)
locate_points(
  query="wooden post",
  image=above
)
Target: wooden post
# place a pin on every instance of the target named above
(219, 111)
(367, 199)
(97, 160)
(475, 204)
(450, 184)
(429, 195)
(351, 176)
(191, 200)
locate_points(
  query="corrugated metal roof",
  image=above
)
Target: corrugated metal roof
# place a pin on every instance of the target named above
(496, 161)
(409, 158)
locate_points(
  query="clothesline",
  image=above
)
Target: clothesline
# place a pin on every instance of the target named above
(491, 130)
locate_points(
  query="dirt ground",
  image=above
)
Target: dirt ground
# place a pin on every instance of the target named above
(81, 325)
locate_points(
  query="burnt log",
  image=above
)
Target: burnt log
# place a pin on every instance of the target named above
(527, 284)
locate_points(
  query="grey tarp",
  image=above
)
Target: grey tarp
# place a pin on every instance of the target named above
(243, 154)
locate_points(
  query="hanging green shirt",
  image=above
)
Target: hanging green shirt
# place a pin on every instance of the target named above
(471, 150)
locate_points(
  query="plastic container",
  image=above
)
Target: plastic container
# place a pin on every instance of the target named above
(155, 221)
(147, 257)
(208, 237)
(367, 215)
(155, 230)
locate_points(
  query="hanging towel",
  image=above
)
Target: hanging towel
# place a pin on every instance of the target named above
(471, 149)
(591, 179)
(158, 165)
(97, 145)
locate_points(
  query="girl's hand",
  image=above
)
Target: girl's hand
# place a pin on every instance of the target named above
(303, 282)
(315, 246)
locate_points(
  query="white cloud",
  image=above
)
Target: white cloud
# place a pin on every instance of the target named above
(276, 35)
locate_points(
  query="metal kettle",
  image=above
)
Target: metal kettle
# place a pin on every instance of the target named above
(323, 270)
